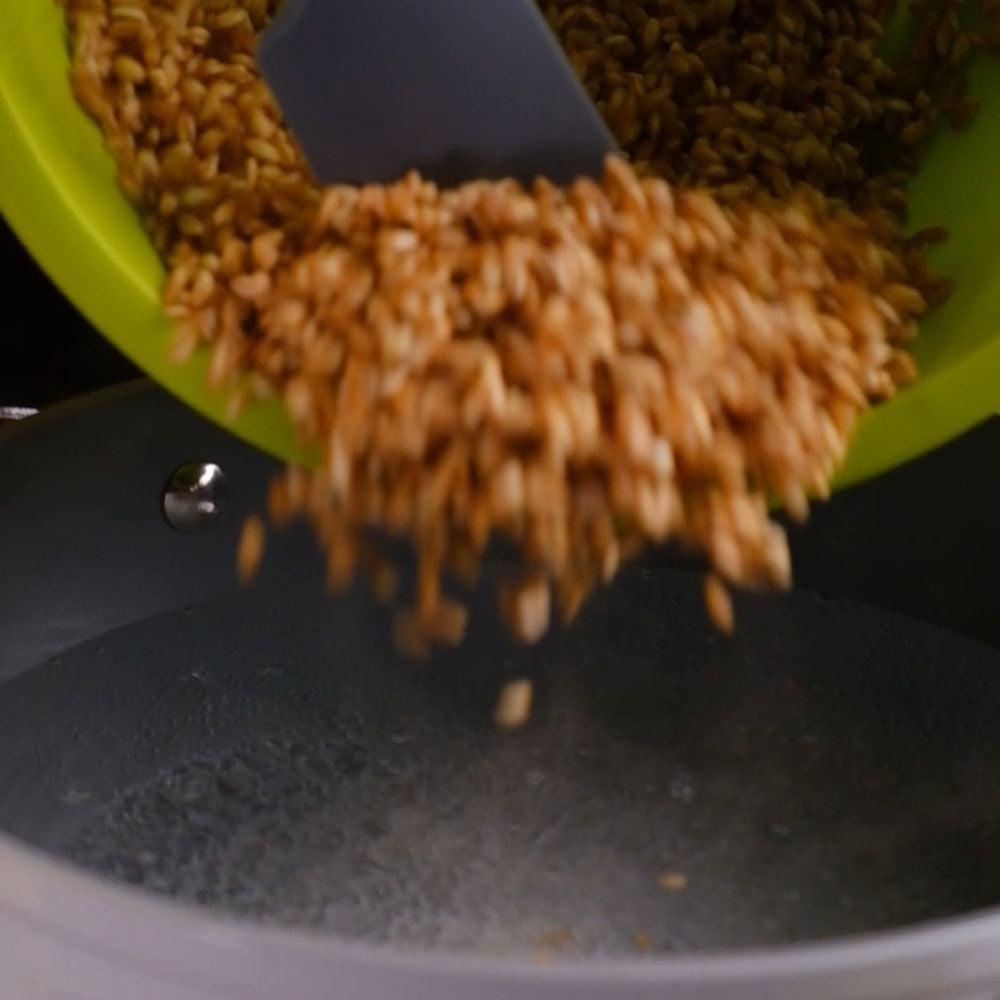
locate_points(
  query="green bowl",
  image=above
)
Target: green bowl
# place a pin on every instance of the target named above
(58, 192)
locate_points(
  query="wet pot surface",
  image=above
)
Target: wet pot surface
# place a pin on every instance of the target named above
(830, 771)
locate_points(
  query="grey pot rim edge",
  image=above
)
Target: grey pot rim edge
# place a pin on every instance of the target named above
(66, 904)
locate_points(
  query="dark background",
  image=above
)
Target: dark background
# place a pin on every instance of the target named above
(48, 351)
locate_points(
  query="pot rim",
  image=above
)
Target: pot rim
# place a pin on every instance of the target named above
(69, 905)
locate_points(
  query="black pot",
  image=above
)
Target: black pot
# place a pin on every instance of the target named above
(210, 793)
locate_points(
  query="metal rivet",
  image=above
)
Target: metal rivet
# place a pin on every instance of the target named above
(194, 496)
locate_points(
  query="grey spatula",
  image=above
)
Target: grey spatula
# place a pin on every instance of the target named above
(458, 89)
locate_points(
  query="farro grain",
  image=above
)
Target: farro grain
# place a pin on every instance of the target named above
(527, 608)
(719, 604)
(673, 882)
(513, 708)
(641, 942)
(250, 550)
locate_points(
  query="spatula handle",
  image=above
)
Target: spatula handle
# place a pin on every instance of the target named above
(455, 88)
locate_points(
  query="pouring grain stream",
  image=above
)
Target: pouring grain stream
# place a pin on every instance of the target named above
(583, 372)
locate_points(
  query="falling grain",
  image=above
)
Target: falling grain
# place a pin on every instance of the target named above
(513, 709)
(584, 372)
(250, 550)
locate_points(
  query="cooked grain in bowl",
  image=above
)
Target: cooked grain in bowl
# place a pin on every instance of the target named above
(644, 357)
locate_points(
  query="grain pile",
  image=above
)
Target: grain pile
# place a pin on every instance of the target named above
(762, 96)
(585, 371)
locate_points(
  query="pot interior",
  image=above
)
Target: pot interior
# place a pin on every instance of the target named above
(830, 770)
